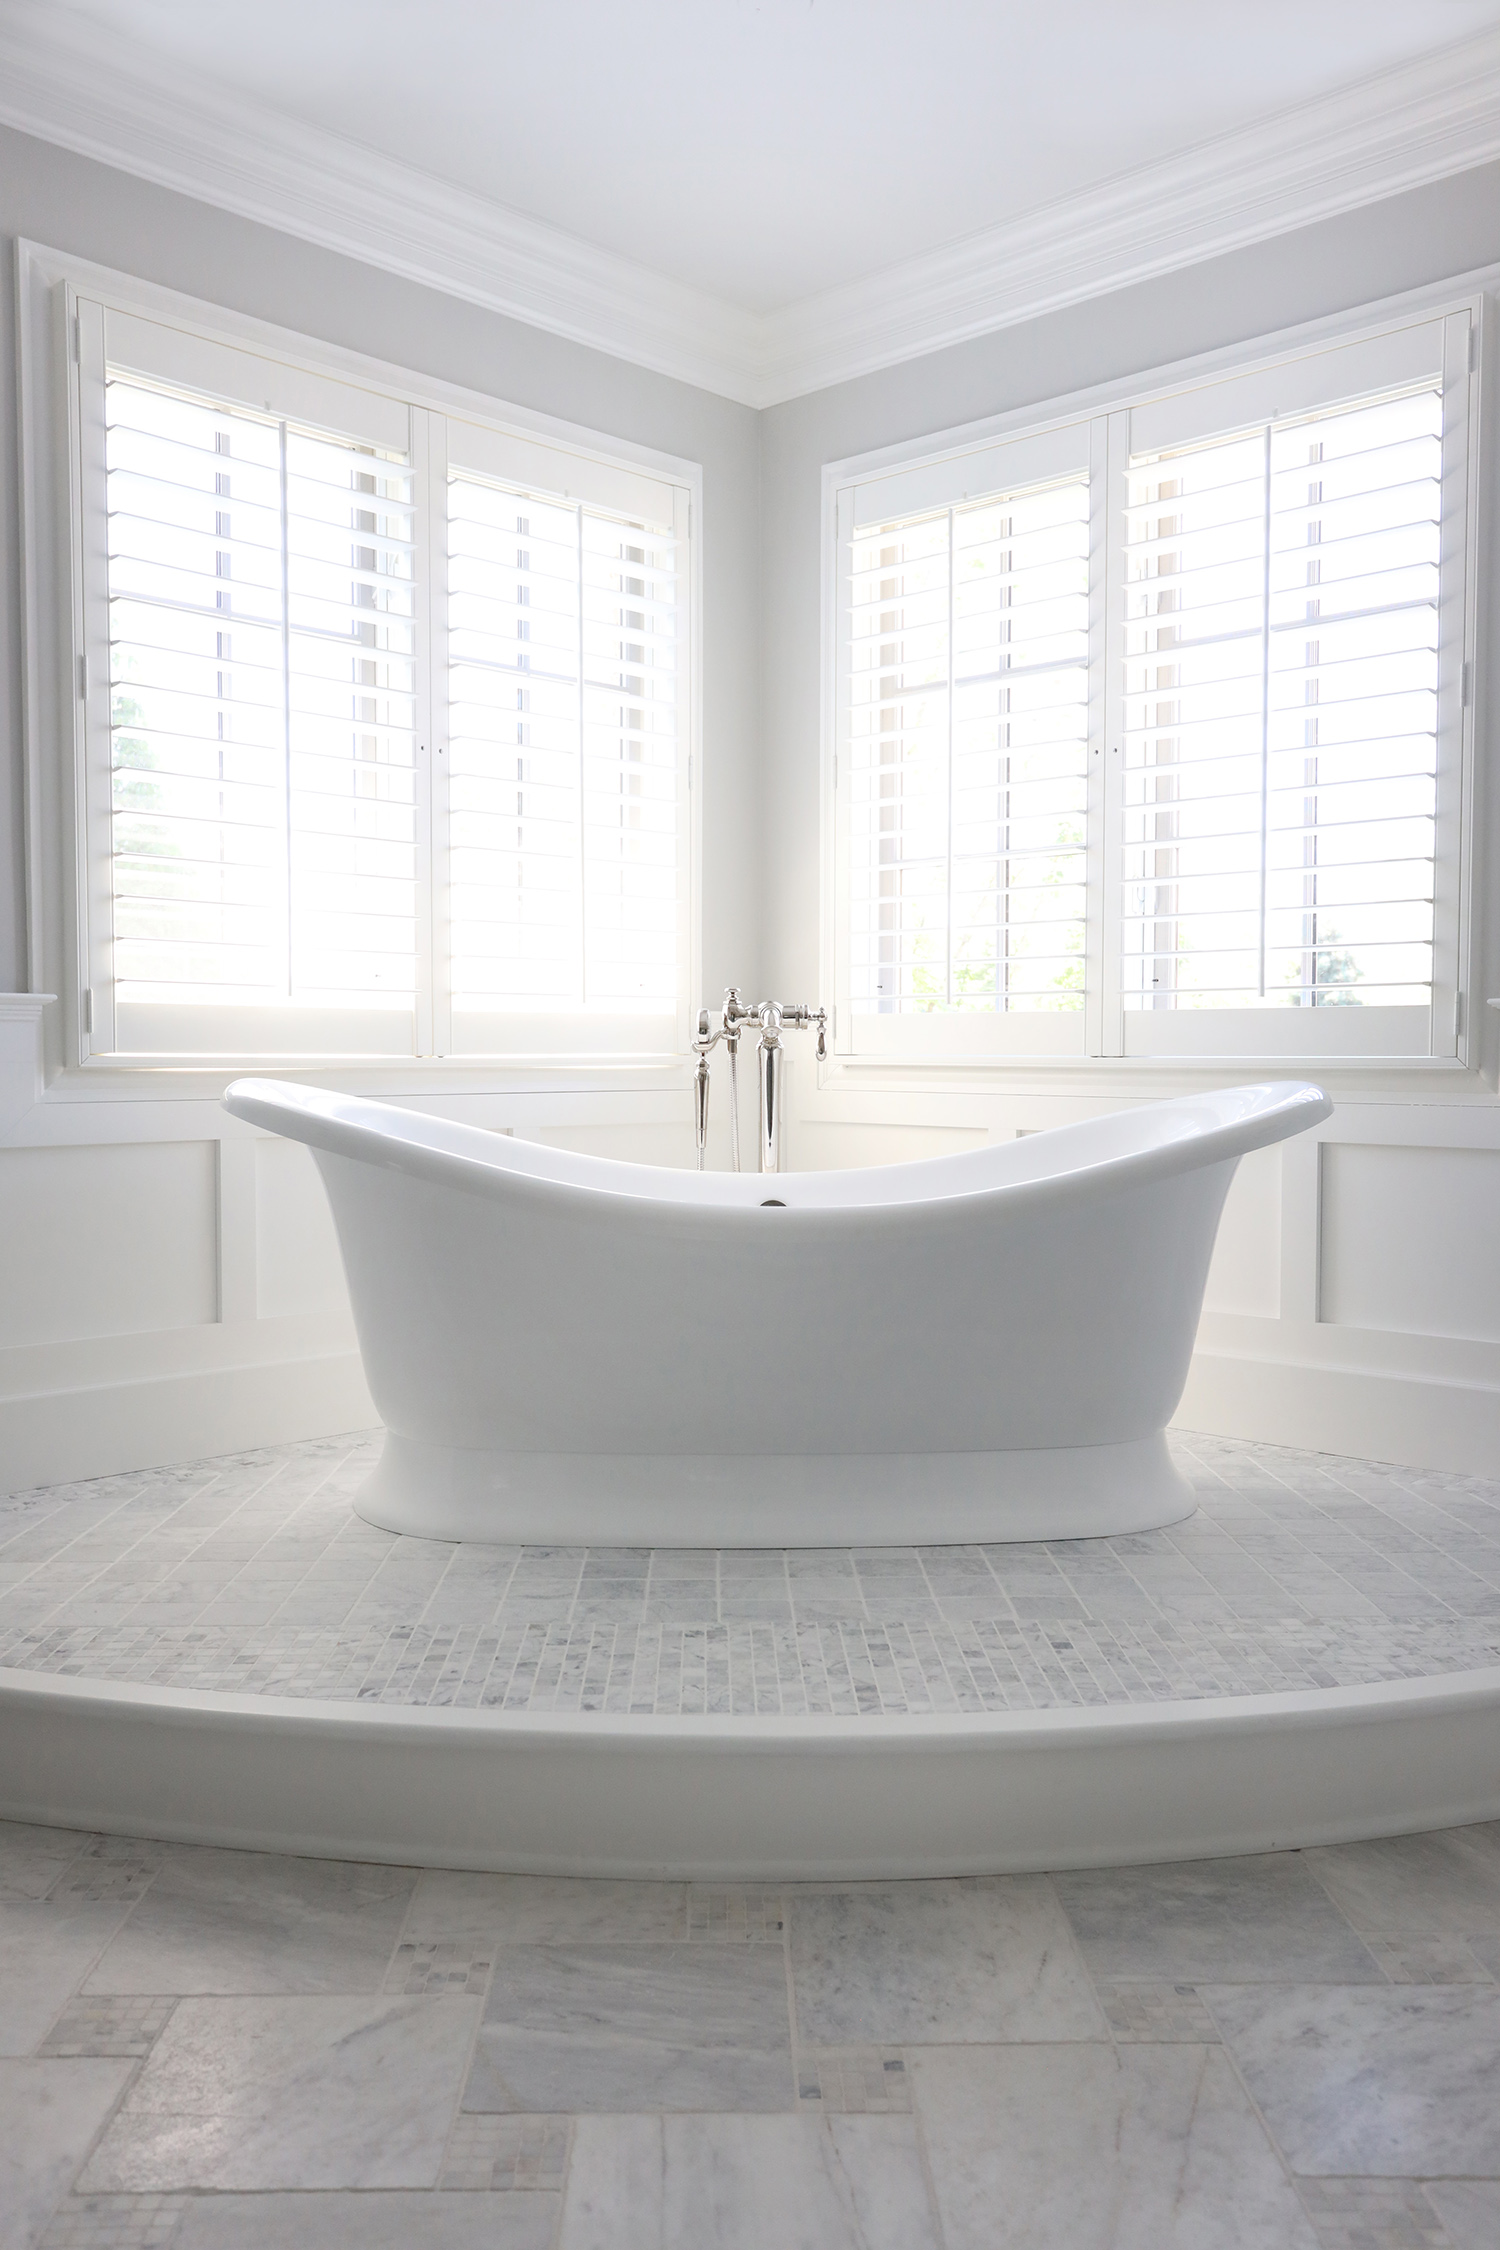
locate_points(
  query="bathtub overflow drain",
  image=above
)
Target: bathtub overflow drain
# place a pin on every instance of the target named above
(773, 1203)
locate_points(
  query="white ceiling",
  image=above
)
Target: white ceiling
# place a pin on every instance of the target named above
(765, 151)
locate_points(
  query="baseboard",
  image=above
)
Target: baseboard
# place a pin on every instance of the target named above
(55, 1437)
(96, 1430)
(1408, 1419)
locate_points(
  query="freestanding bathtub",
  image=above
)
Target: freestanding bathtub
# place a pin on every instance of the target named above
(978, 1347)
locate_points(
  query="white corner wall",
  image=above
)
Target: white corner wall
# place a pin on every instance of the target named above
(1354, 1303)
(168, 1281)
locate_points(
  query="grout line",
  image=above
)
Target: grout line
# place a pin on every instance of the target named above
(470, 1653)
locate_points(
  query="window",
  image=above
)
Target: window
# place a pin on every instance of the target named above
(563, 625)
(386, 744)
(969, 755)
(1149, 729)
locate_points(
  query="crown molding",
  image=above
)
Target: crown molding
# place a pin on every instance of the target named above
(106, 99)
(1405, 128)
(100, 96)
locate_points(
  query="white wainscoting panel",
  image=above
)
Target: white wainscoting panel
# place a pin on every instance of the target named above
(1245, 1276)
(813, 1147)
(170, 1288)
(110, 1240)
(1410, 1240)
(170, 1283)
(297, 1263)
(1353, 1305)
(632, 1144)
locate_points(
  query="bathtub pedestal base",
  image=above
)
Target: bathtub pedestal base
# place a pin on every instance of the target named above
(430, 1491)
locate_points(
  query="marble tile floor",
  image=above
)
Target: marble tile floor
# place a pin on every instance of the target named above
(212, 2050)
(253, 1575)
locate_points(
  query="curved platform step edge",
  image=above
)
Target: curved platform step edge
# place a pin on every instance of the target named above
(753, 1799)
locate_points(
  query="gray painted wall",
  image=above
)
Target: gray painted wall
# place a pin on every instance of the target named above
(1339, 264)
(761, 472)
(49, 195)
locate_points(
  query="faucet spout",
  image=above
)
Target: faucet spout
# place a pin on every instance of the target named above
(772, 1076)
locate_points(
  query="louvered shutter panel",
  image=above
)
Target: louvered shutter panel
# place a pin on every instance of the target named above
(261, 603)
(564, 782)
(515, 804)
(968, 744)
(1281, 737)
(197, 617)
(351, 691)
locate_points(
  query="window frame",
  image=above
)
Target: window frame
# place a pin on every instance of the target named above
(913, 1047)
(66, 685)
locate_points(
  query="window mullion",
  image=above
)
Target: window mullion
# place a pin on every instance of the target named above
(948, 876)
(92, 700)
(424, 712)
(286, 708)
(1452, 877)
(439, 723)
(583, 852)
(1265, 706)
(1108, 896)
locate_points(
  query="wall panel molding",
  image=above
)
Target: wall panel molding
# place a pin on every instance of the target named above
(238, 1286)
(1409, 1239)
(1266, 1366)
(21, 1063)
(246, 1339)
(107, 1238)
(279, 1360)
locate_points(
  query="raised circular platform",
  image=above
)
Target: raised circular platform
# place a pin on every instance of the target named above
(225, 1652)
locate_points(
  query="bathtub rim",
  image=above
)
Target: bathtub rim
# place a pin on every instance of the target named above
(477, 1160)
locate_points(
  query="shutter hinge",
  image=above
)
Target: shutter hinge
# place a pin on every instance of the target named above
(1458, 1015)
(88, 1009)
(1473, 347)
(77, 339)
(1468, 681)
(83, 679)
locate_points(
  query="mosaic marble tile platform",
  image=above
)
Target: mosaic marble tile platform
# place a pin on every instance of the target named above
(253, 1575)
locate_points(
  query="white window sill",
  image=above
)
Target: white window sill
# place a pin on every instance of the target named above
(196, 1078)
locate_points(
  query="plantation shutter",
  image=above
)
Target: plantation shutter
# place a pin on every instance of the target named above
(566, 785)
(966, 741)
(260, 667)
(1289, 785)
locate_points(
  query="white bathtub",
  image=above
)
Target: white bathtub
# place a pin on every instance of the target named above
(981, 1347)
